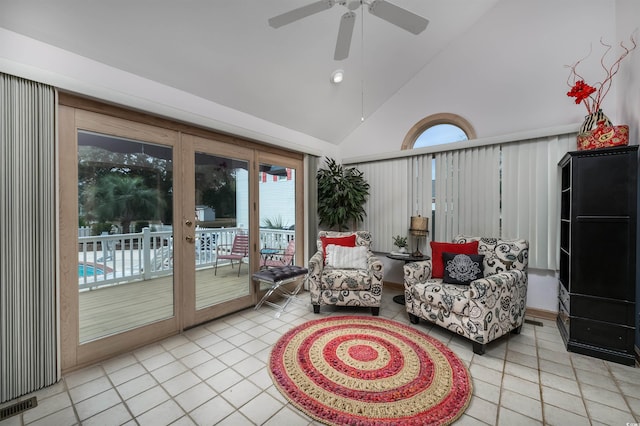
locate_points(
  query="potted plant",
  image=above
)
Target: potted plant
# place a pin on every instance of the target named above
(401, 243)
(342, 193)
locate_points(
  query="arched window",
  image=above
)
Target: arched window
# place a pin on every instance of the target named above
(438, 129)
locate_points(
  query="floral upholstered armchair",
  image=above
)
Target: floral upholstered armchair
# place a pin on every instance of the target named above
(345, 275)
(481, 310)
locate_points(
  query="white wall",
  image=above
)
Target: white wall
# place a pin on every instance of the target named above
(628, 20)
(505, 75)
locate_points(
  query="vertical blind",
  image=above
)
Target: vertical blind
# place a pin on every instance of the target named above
(467, 192)
(507, 190)
(531, 195)
(399, 189)
(28, 328)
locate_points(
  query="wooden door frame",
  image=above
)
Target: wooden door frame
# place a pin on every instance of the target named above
(76, 112)
(75, 354)
(190, 145)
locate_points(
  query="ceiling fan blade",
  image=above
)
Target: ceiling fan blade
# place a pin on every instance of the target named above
(343, 44)
(398, 16)
(301, 12)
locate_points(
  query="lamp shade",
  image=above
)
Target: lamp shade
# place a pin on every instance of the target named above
(419, 226)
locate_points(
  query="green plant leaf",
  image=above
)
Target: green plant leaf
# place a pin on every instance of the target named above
(342, 193)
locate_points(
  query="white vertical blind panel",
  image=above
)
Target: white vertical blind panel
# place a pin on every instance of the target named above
(388, 206)
(440, 225)
(487, 192)
(28, 358)
(420, 199)
(530, 195)
(468, 193)
(422, 180)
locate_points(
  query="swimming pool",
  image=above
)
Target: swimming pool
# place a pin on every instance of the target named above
(88, 270)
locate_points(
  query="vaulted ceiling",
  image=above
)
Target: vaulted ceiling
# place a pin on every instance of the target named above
(225, 51)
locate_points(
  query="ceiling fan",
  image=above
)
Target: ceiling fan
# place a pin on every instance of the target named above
(396, 15)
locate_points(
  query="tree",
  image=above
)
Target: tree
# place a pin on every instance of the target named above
(342, 193)
(118, 197)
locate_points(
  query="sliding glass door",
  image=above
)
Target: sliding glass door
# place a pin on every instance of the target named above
(279, 211)
(125, 241)
(117, 244)
(217, 275)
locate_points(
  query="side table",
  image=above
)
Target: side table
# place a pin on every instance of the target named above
(267, 254)
(406, 258)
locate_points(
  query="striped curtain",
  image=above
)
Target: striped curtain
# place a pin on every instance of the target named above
(467, 194)
(531, 195)
(28, 319)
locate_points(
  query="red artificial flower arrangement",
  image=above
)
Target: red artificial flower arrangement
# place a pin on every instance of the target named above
(592, 96)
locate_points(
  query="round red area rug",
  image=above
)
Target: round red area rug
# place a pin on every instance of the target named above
(369, 371)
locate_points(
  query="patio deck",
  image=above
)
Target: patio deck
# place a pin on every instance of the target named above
(113, 309)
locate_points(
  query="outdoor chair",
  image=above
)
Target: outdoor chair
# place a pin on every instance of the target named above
(239, 250)
(278, 257)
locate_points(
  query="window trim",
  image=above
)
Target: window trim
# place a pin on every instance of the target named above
(433, 120)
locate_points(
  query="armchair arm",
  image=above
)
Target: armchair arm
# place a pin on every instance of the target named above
(376, 271)
(315, 266)
(316, 263)
(417, 272)
(513, 282)
(499, 302)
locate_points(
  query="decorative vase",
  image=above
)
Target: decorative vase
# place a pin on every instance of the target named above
(402, 250)
(592, 120)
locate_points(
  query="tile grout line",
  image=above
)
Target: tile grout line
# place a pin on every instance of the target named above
(535, 335)
(504, 364)
(617, 383)
(115, 388)
(579, 384)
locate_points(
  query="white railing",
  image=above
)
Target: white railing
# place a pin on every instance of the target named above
(275, 238)
(121, 258)
(84, 231)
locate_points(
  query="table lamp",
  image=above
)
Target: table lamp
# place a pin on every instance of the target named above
(419, 228)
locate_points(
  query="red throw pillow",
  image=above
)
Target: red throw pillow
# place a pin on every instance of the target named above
(349, 241)
(438, 248)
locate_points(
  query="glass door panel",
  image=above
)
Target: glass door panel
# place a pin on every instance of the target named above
(277, 192)
(125, 234)
(222, 269)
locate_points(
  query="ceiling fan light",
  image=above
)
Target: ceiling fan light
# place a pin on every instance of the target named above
(337, 76)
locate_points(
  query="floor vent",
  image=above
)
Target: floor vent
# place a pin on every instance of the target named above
(18, 407)
(534, 322)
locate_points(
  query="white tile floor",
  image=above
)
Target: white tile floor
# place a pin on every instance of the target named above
(216, 374)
